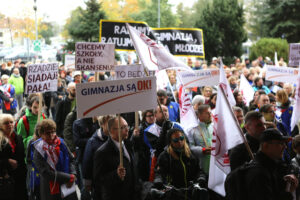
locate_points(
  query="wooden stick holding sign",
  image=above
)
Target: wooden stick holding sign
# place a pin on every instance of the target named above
(120, 141)
(40, 107)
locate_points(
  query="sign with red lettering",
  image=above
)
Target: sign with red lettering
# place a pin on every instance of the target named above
(94, 56)
(113, 97)
(41, 78)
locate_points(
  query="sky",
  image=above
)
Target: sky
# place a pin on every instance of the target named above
(56, 10)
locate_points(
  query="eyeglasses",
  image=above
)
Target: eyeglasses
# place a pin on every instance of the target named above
(122, 128)
(8, 122)
(175, 140)
(149, 115)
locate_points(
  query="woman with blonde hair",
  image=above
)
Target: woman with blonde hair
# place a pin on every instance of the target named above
(177, 165)
(17, 158)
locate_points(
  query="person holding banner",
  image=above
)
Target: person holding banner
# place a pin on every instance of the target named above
(255, 126)
(113, 181)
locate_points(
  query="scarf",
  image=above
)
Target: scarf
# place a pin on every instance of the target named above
(52, 150)
(12, 141)
(16, 76)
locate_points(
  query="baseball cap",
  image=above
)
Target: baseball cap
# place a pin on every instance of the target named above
(273, 134)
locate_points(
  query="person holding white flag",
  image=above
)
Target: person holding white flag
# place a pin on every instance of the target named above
(226, 135)
(154, 56)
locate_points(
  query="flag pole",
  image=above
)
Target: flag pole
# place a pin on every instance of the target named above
(40, 107)
(120, 141)
(237, 124)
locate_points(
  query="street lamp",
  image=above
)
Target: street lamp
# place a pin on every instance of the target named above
(36, 28)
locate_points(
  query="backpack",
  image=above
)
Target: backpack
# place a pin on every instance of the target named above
(235, 187)
(26, 123)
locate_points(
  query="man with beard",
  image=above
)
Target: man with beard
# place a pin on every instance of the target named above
(64, 107)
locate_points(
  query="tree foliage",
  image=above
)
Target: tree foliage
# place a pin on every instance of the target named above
(268, 46)
(84, 24)
(149, 13)
(46, 31)
(120, 9)
(222, 23)
(277, 18)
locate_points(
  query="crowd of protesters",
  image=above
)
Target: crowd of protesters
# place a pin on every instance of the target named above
(43, 156)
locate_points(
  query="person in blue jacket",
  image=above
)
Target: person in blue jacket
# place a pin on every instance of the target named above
(173, 107)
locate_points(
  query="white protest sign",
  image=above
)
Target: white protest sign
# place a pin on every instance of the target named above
(94, 56)
(281, 74)
(199, 78)
(294, 54)
(41, 78)
(112, 97)
(70, 61)
(131, 71)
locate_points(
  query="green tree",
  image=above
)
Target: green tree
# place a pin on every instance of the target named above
(46, 31)
(268, 46)
(149, 14)
(283, 19)
(84, 24)
(222, 23)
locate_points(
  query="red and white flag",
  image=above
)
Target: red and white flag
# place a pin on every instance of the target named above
(246, 90)
(226, 135)
(188, 117)
(296, 108)
(225, 85)
(154, 56)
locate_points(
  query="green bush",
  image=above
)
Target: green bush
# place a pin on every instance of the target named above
(267, 47)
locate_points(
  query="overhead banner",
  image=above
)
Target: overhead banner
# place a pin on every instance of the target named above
(113, 31)
(94, 56)
(113, 97)
(294, 54)
(70, 61)
(131, 71)
(282, 74)
(41, 78)
(199, 78)
(181, 41)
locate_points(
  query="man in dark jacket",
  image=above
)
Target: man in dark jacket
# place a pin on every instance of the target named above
(96, 141)
(113, 181)
(270, 178)
(83, 130)
(64, 107)
(254, 124)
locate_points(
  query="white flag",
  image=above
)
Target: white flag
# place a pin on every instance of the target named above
(296, 108)
(225, 85)
(226, 135)
(246, 90)
(162, 79)
(188, 117)
(154, 56)
(276, 60)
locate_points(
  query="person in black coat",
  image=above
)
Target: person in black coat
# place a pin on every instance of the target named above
(97, 140)
(254, 124)
(177, 165)
(113, 181)
(64, 107)
(17, 159)
(270, 178)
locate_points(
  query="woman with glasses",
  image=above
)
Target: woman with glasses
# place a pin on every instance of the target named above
(17, 159)
(54, 162)
(177, 165)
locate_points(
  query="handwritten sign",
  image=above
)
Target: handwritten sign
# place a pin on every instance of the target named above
(41, 78)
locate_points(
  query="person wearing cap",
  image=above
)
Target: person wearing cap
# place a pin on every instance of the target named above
(76, 76)
(270, 178)
(177, 165)
(254, 125)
